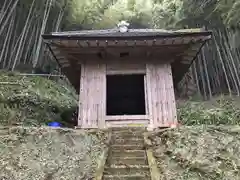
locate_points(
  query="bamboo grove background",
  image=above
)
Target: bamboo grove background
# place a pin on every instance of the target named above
(216, 70)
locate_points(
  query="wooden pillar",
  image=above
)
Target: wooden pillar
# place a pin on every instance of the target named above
(92, 97)
(161, 97)
(149, 94)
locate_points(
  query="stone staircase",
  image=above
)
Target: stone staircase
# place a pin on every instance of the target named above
(127, 158)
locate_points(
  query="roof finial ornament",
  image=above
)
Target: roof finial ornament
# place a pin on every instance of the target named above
(123, 26)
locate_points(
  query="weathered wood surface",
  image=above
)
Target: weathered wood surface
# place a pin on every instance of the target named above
(161, 97)
(92, 101)
(125, 66)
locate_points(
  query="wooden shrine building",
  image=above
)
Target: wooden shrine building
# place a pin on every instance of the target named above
(126, 78)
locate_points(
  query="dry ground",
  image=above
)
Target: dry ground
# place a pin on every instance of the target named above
(49, 154)
(198, 153)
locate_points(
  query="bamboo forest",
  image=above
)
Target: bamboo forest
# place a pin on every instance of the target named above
(216, 70)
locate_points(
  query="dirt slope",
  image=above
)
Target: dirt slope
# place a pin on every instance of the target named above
(198, 153)
(49, 154)
(30, 150)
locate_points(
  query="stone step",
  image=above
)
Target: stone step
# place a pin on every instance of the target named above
(128, 161)
(126, 170)
(126, 177)
(129, 128)
(127, 147)
(127, 140)
(127, 132)
(127, 158)
(127, 136)
(128, 153)
(127, 166)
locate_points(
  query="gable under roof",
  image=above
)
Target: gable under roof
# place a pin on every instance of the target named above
(181, 45)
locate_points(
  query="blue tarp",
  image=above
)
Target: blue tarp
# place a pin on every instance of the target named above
(54, 124)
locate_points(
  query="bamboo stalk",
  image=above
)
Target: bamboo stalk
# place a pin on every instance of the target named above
(7, 18)
(25, 29)
(223, 66)
(45, 18)
(202, 76)
(206, 72)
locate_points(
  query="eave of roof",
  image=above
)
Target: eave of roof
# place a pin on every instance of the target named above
(137, 34)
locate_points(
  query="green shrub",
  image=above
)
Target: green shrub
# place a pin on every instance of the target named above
(221, 110)
(33, 100)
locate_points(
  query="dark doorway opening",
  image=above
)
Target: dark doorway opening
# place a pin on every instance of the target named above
(125, 95)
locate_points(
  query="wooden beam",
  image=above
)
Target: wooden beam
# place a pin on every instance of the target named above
(132, 42)
(127, 123)
(126, 117)
(118, 50)
(123, 72)
(116, 47)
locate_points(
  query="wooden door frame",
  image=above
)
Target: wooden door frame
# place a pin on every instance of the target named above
(112, 120)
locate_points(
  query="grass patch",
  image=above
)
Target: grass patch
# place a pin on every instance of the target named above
(34, 100)
(218, 111)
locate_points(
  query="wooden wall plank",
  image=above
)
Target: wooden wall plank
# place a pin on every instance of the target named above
(81, 95)
(154, 93)
(168, 102)
(87, 86)
(93, 101)
(164, 95)
(172, 95)
(102, 94)
(98, 95)
(160, 95)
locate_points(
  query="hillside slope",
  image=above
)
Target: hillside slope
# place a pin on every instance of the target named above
(217, 111)
(34, 100)
(198, 152)
(29, 149)
(49, 154)
(206, 146)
